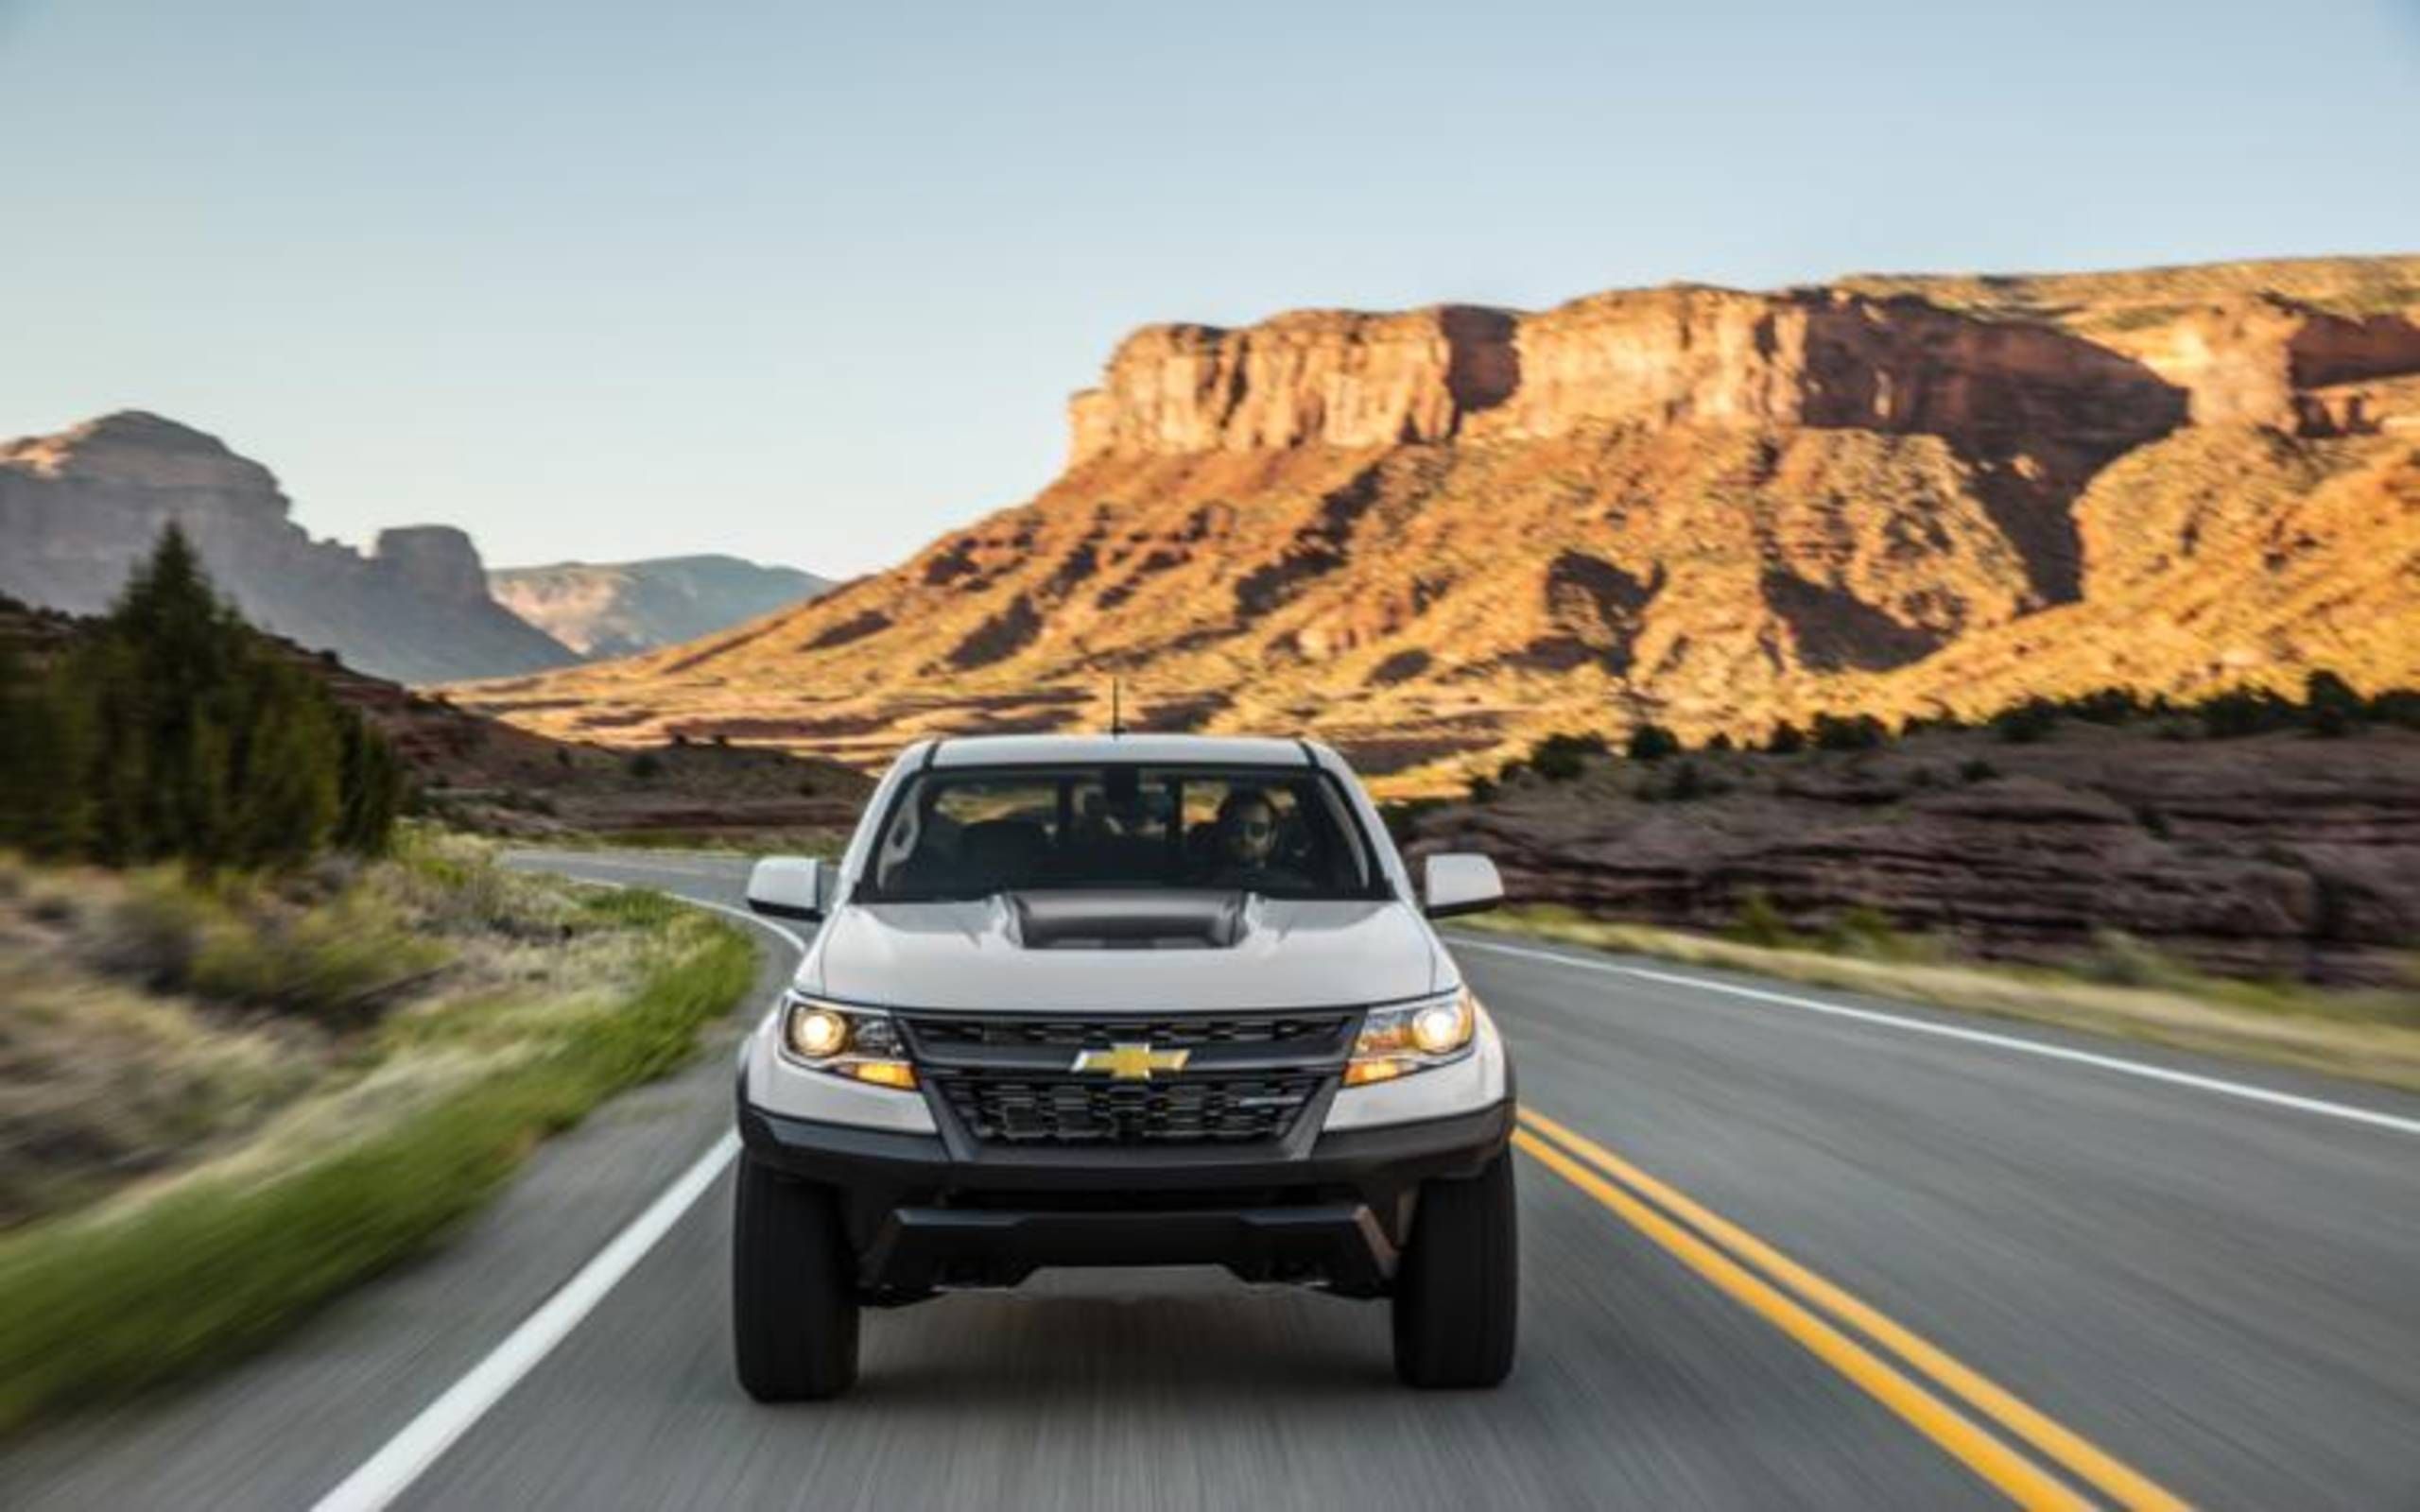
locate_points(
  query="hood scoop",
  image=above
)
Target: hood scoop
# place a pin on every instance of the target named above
(1159, 919)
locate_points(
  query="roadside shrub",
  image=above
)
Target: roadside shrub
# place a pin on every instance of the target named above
(2399, 707)
(645, 766)
(1652, 743)
(2245, 711)
(334, 962)
(1786, 740)
(1481, 790)
(152, 934)
(2333, 708)
(2105, 706)
(1720, 744)
(1848, 731)
(1561, 758)
(1867, 932)
(2028, 723)
(2121, 959)
(1759, 922)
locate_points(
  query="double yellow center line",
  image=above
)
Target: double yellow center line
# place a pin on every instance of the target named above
(1827, 1322)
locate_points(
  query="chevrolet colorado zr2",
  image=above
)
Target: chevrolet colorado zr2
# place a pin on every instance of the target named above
(1122, 1000)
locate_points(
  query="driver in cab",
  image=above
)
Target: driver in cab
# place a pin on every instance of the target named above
(1247, 845)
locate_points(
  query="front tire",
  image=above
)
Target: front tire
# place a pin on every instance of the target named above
(793, 1292)
(1457, 1303)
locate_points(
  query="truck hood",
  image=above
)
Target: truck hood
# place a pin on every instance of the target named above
(968, 955)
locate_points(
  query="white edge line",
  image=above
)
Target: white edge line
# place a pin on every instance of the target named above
(2034, 1047)
(402, 1459)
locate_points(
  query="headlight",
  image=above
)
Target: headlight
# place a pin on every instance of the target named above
(859, 1043)
(1396, 1041)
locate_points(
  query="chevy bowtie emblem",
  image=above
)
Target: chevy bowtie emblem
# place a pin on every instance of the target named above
(1131, 1062)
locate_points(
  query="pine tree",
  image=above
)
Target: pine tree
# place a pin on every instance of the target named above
(286, 765)
(221, 749)
(371, 786)
(45, 743)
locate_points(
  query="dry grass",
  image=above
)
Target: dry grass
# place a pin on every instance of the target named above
(2368, 1036)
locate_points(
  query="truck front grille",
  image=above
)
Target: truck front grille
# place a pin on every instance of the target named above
(1009, 1079)
(1016, 1109)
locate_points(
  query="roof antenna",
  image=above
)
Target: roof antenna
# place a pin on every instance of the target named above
(1116, 709)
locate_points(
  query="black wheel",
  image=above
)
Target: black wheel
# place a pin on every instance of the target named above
(1458, 1294)
(793, 1291)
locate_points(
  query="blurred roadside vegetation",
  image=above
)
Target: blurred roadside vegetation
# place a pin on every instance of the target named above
(224, 1099)
(169, 728)
(258, 1038)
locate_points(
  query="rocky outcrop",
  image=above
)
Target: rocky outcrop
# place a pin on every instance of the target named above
(78, 509)
(437, 562)
(1329, 378)
(1432, 537)
(1658, 356)
(2265, 360)
(618, 609)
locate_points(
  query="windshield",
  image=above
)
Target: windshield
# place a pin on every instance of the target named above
(1286, 832)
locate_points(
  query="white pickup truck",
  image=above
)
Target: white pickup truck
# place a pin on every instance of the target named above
(1129, 1000)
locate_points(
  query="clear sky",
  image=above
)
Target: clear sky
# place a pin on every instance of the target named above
(811, 283)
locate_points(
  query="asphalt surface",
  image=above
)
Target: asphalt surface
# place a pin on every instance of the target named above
(2216, 1296)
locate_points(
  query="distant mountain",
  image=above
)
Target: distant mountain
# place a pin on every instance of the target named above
(78, 509)
(1432, 537)
(615, 609)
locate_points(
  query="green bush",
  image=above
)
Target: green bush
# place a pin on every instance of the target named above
(2121, 959)
(2025, 724)
(1561, 758)
(2106, 706)
(1759, 922)
(2242, 711)
(2399, 707)
(1848, 731)
(1866, 931)
(1652, 743)
(2331, 706)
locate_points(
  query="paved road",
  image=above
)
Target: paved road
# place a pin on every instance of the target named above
(1774, 1255)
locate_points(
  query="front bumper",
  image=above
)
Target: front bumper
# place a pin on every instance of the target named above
(920, 1219)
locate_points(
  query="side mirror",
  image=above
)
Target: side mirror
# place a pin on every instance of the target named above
(789, 886)
(1459, 883)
